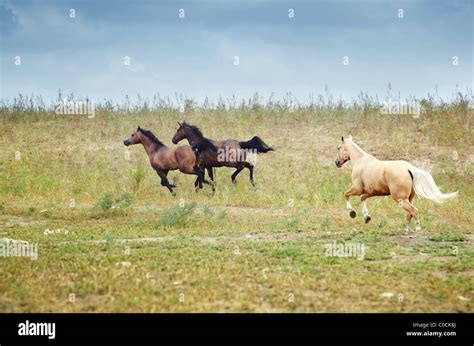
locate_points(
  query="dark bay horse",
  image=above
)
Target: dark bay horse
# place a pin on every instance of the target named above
(164, 159)
(230, 153)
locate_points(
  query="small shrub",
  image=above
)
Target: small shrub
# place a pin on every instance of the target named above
(125, 200)
(106, 201)
(109, 238)
(208, 212)
(326, 224)
(448, 236)
(138, 176)
(222, 214)
(177, 216)
(31, 211)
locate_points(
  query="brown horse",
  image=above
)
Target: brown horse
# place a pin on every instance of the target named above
(230, 153)
(399, 179)
(164, 159)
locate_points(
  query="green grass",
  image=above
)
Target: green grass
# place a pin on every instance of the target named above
(242, 248)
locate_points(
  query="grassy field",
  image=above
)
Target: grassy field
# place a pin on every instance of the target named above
(119, 241)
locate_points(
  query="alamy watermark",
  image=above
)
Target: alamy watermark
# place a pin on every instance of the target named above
(18, 248)
(237, 155)
(335, 249)
(28, 328)
(75, 108)
(391, 107)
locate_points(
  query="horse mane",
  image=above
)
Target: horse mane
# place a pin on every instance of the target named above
(357, 147)
(151, 136)
(204, 143)
(193, 128)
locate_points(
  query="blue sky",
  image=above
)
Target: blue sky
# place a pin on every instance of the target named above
(195, 55)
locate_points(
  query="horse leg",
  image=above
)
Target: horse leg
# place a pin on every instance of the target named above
(250, 167)
(406, 226)
(412, 213)
(197, 170)
(211, 177)
(165, 182)
(203, 180)
(239, 169)
(196, 183)
(417, 218)
(365, 211)
(351, 192)
(204, 176)
(200, 179)
(203, 170)
(210, 173)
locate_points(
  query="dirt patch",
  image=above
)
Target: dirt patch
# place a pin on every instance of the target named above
(246, 210)
(230, 209)
(119, 240)
(412, 239)
(12, 221)
(259, 237)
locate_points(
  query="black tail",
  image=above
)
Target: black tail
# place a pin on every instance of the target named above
(256, 143)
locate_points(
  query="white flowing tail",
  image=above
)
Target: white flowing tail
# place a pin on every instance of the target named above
(425, 186)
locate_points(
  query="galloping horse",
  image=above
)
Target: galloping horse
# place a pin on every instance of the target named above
(230, 153)
(164, 159)
(399, 179)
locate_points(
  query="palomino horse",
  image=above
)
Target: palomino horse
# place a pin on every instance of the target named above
(230, 153)
(164, 159)
(399, 179)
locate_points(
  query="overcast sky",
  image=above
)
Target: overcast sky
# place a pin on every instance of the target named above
(195, 55)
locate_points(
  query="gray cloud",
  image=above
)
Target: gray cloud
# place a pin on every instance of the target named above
(195, 55)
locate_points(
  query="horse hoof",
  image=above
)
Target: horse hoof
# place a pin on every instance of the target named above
(352, 213)
(367, 219)
(234, 182)
(173, 194)
(417, 226)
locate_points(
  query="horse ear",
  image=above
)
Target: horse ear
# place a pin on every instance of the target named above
(138, 128)
(342, 138)
(179, 123)
(350, 137)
